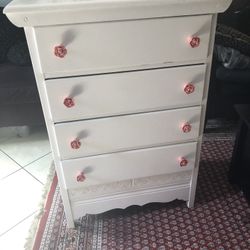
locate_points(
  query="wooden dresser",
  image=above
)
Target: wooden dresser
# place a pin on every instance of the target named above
(123, 85)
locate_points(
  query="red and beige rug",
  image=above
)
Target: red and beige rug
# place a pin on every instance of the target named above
(220, 219)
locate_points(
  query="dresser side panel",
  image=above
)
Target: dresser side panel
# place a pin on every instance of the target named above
(193, 182)
(31, 40)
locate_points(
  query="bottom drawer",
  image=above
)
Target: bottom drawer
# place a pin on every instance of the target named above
(108, 168)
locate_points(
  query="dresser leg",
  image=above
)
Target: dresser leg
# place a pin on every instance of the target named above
(70, 223)
(190, 203)
(193, 182)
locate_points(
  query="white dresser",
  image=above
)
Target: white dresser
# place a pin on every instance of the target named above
(123, 85)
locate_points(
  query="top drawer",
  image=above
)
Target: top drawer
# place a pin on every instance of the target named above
(115, 46)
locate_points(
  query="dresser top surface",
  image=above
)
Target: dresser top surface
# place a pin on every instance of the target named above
(49, 12)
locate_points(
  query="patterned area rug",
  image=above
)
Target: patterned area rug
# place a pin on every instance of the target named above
(220, 219)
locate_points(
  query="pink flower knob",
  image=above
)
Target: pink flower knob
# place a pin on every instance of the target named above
(186, 128)
(195, 41)
(189, 88)
(76, 144)
(60, 51)
(69, 102)
(81, 177)
(183, 162)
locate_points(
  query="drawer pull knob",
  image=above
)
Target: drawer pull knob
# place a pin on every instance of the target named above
(195, 41)
(186, 128)
(189, 88)
(76, 144)
(69, 102)
(81, 177)
(60, 51)
(183, 162)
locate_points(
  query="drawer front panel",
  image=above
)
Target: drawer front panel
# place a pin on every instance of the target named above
(114, 46)
(121, 93)
(106, 135)
(108, 168)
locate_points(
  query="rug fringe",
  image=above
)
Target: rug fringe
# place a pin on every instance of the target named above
(30, 239)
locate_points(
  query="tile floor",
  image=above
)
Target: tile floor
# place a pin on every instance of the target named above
(24, 166)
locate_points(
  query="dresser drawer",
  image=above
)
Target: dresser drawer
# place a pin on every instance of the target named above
(97, 136)
(108, 168)
(115, 46)
(112, 94)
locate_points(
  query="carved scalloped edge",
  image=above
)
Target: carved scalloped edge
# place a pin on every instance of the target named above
(92, 192)
(124, 200)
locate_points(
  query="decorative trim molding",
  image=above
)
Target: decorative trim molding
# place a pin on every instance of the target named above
(115, 188)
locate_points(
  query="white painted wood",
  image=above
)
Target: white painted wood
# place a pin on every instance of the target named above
(129, 185)
(193, 183)
(41, 84)
(51, 12)
(123, 93)
(133, 164)
(51, 76)
(153, 34)
(107, 47)
(142, 197)
(127, 132)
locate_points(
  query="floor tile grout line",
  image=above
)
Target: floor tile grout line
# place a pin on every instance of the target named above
(23, 167)
(36, 160)
(18, 223)
(11, 158)
(33, 176)
(39, 158)
(6, 176)
(20, 169)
